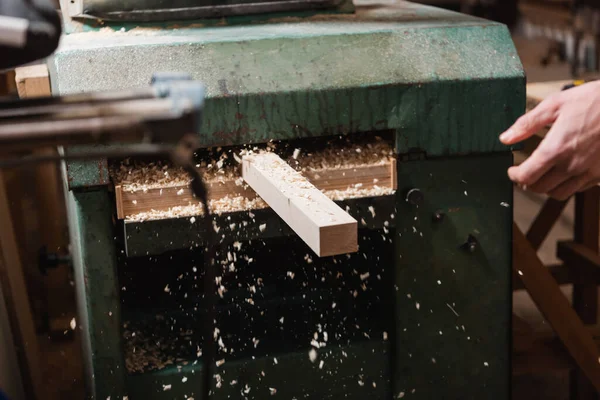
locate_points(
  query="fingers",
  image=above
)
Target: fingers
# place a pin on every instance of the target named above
(549, 181)
(532, 169)
(570, 187)
(544, 114)
(589, 185)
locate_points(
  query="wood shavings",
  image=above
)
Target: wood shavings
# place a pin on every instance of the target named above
(138, 176)
(312, 355)
(237, 204)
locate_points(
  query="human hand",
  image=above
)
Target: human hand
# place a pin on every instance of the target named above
(568, 159)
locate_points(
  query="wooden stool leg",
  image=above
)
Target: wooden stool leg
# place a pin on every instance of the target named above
(585, 296)
(544, 222)
(554, 306)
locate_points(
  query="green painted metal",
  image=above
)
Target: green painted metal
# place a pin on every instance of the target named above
(88, 173)
(446, 83)
(156, 237)
(99, 316)
(269, 340)
(453, 307)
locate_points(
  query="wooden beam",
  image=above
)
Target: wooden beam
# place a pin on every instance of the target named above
(542, 357)
(577, 256)
(19, 308)
(546, 354)
(162, 199)
(523, 335)
(585, 296)
(32, 81)
(323, 225)
(545, 220)
(563, 275)
(555, 307)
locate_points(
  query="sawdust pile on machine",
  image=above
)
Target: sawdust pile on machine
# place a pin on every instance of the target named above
(384, 116)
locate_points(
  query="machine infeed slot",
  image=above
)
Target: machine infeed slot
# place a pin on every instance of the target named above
(342, 168)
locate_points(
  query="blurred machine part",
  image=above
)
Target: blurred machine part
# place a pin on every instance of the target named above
(573, 27)
(29, 31)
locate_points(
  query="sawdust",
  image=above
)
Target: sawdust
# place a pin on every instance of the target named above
(144, 352)
(134, 175)
(240, 203)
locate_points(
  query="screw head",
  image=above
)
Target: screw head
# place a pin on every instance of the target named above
(471, 244)
(415, 197)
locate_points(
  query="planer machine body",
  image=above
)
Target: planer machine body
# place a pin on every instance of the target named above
(421, 311)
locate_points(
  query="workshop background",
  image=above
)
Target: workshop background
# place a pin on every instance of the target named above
(558, 42)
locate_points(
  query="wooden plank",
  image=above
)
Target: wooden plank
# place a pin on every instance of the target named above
(323, 225)
(585, 296)
(546, 354)
(523, 335)
(563, 275)
(538, 91)
(577, 255)
(129, 203)
(542, 358)
(555, 307)
(120, 202)
(32, 81)
(15, 290)
(543, 223)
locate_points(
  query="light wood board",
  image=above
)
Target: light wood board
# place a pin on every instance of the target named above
(317, 220)
(32, 81)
